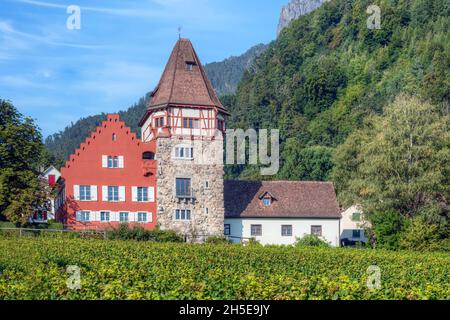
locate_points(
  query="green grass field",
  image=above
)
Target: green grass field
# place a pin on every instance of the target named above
(37, 269)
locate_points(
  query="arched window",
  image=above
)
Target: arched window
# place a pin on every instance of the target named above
(148, 156)
(114, 137)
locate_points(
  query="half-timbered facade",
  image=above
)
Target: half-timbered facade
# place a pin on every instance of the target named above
(187, 121)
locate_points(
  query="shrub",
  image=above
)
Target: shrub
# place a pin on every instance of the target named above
(137, 233)
(419, 236)
(311, 240)
(218, 240)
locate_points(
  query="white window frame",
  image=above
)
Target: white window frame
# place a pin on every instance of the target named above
(127, 216)
(83, 216)
(179, 213)
(107, 214)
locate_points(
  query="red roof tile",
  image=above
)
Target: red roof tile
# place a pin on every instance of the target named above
(292, 200)
(180, 86)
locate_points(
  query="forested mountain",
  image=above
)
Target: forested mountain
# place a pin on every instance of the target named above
(224, 76)
(328, 71)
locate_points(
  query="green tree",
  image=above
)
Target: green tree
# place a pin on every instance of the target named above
(21, 154)
(306, 164)
(399, 162)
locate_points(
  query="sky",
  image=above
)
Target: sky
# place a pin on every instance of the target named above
(56, 74)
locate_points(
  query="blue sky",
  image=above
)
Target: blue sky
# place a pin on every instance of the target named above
(57, 75)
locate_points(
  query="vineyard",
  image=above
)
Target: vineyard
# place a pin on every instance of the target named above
(37, 269)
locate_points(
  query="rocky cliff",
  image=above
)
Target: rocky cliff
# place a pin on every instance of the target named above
(295, 9)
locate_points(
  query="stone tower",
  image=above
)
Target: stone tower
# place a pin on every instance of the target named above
(187, 120)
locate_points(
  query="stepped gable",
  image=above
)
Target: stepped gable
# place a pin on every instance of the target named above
(112, 120)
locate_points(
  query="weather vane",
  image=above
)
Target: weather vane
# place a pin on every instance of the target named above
(179, 31)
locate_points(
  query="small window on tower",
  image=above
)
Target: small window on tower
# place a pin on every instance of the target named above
(189, 66)
(114, 137)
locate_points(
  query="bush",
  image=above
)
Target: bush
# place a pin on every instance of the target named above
(419, 236)
(218, 240)
(137, 233)
(311, 240)
(386, 230)
(6, 224)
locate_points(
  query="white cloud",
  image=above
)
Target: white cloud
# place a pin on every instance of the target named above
(146, 13)
(17, 81)
(7, 29)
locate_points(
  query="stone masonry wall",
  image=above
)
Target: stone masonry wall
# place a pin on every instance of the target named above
(206, 172)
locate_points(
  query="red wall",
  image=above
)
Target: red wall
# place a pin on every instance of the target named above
(85, 168)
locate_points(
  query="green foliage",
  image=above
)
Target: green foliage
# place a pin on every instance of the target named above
(327, 72)
(21, 154)
(306, 164)
(311, 240)
(419, 236)
(400, 162)
(226, 75)
(137, 233)
(386, 229)
(36, 269)
(218, 240)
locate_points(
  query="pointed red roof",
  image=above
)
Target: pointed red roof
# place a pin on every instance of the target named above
(184, 81)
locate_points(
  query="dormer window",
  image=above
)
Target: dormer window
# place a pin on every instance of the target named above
(267, 199)
(189, 66)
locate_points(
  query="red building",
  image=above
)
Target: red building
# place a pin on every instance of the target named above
(110, 179)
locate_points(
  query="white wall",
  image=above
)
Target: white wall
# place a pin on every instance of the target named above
(348, 225)
(271, 229)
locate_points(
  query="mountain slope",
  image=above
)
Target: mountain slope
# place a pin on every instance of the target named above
(295, 9)
(327, 72)
(226, 75)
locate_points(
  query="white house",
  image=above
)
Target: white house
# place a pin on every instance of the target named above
(352, 226)
(278, 212)
(42, 215)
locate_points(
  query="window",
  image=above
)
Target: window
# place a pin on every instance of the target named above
(184, 152)
(191, 123)
(286, 231)
(267, 202)
(356, 216)
(207, 184)
(356, 234)
(113, 193)
(142, 217)
(316, 230)
(182, 215)
(227, 229)
(142, 194)
(148, 156)
(114, 137)
(123, 216)
(159, 122)
(85, 193)
(113, 162)
(83, 216)
(183, 188)
(104, 216)
(189, 66)
(256, 230)
(221, 125)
